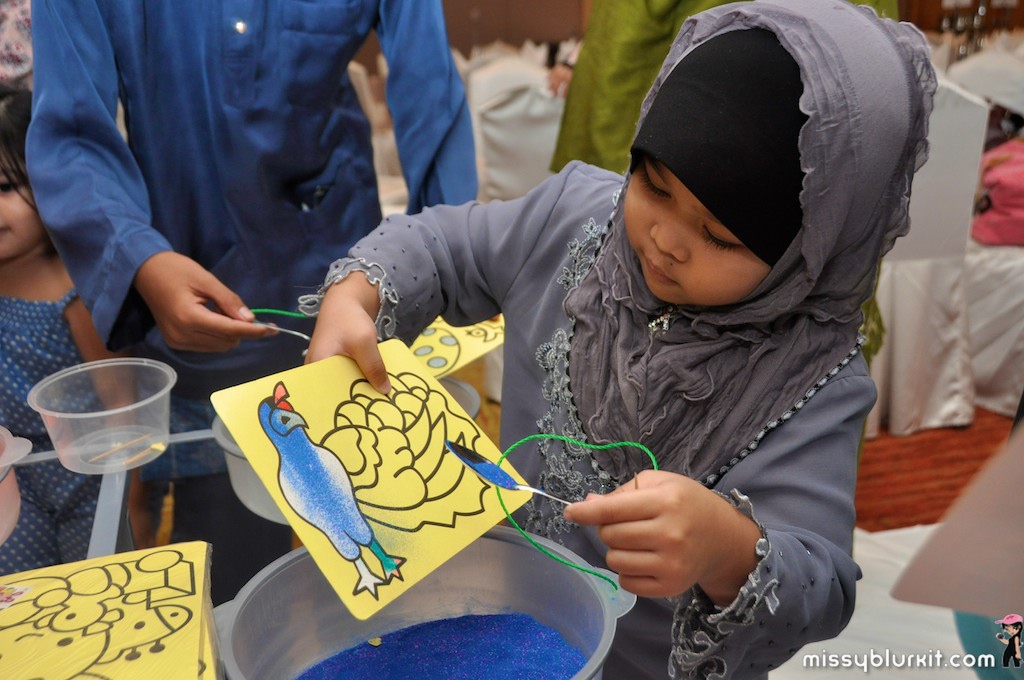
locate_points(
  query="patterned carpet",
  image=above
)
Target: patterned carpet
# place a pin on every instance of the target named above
(912, 480)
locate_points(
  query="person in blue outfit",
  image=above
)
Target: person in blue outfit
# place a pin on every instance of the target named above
(707, 305)
(44, 327)
(247, 165)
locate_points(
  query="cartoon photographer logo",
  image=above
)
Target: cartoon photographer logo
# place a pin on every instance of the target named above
(1012, 625)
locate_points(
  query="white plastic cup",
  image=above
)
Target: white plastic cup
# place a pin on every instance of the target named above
(106, 416)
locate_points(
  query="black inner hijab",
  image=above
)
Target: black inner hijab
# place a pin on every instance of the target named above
(746, 85)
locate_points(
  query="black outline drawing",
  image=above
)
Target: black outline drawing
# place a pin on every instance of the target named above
(373, 438)
(103, 609)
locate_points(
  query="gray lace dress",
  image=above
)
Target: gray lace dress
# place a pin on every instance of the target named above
(468, 263)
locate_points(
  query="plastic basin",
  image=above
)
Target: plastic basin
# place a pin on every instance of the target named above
(287, 618)
(244, 480)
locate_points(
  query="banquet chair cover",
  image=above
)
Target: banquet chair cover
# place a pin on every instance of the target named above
(941, 45)
(515, 122)
(996, 74)
(923, 369)
(376, 111)
(461, 64)
(391, 188)
(995, 299)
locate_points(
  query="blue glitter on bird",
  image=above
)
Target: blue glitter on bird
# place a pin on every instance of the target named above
(483, 467)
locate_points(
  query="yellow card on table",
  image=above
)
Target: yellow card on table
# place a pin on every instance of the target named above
(444, 349)
(209, 664)
(141, 614)
(365, 479)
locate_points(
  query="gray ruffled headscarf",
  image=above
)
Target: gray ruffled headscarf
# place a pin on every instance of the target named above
(700, 391)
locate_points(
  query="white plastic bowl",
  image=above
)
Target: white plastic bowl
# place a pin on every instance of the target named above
(244, 480)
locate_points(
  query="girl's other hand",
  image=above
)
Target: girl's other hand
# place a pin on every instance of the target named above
(346, 326)
(670, 534)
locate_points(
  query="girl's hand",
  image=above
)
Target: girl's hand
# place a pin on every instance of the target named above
(671, 534)
(176, 289)
(346, 326)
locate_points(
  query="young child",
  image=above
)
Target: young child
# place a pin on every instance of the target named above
(713, 318)
(44, 328)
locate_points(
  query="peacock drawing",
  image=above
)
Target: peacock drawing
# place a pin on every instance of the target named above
(318, 488)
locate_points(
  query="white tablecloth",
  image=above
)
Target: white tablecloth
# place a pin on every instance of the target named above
(881, 623)
(995, 303)
(923, 369)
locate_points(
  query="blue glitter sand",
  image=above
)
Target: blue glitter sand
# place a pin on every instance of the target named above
(483, 467)
(491, 646)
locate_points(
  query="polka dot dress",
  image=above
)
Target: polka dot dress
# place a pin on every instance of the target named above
(57, 505)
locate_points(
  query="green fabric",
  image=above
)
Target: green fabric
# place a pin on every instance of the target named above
(885, 8)
(625, 45)
(873, 327)
(873, 330)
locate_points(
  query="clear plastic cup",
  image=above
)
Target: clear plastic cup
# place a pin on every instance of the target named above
(106, 416)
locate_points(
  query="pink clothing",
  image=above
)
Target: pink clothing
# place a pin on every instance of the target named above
(1000, 220)
(16, 42)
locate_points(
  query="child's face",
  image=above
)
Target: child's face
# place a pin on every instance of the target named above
(21, 230)
(687, 256)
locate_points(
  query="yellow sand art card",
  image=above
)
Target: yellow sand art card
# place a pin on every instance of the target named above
(444, 349)
(364, 478)
(209, 656)
(142, 614)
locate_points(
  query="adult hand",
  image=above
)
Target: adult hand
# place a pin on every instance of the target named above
(346, 326)
(559, 78)
(670, 534)
(177, 289)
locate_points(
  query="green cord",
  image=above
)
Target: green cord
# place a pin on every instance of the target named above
(279, 312)
(587, 445)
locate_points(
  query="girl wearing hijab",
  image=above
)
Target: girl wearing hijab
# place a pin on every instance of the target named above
(713, 317)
